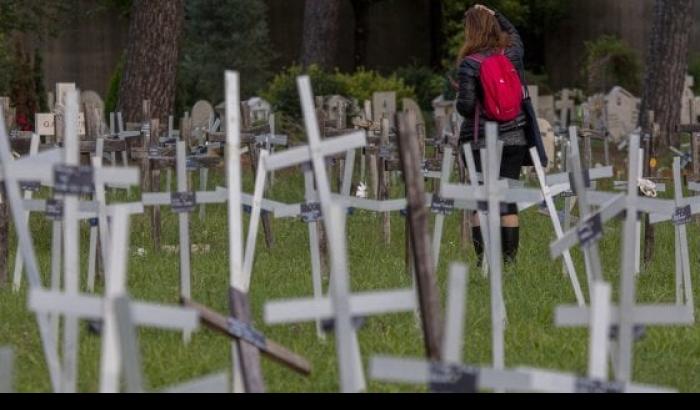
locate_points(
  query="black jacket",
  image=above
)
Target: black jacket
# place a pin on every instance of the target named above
(470, 93)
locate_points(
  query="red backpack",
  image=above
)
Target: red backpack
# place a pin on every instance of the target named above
(503, 89)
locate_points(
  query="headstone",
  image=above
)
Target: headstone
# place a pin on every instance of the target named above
(260, 110)
(384, 105)
(566, 108)
(545, 108)
(549, 141)
(202, 111)
(622, 113)
(62, 89)
(688, 101)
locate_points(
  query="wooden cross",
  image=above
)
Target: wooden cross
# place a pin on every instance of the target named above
(629, 315)
(682, 215)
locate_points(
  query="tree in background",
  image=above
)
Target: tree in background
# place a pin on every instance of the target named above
(321, 33)
(152, 58)
(221, 35)
(611, 62)
(666, 68)
(23, 90)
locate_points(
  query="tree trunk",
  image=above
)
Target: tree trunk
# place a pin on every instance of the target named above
(152, 57)
(667, 64)
(321, 32)
(437, 34)
(4, 236)
(361, 9)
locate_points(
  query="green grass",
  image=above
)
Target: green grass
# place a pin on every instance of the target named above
(667, 356)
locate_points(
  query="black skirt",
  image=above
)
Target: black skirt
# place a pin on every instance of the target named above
(514, 158)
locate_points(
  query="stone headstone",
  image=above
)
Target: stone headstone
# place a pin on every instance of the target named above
(94, 108)
(545, 108)
(688, 101)
(623, 112)
(534, 92)
(260, 110)
(384, 106)
(548, 139)
(410, 105)
(443, 108)
(202, 112)
(597, 113)
(337, 106)
(61, 90)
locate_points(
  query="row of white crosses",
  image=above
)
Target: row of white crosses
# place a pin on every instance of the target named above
(342, 306)
(628, 316)
(70, 180)
(452, 376)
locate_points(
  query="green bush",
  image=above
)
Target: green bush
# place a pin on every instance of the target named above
(283, 93)
(611, 62)
(112, 99)
(361, 85)
(425, 82)
(694, 70)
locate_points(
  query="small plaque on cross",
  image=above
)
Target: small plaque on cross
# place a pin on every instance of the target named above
(584, 385)
(592, 231)
(30, 186)
(54, 209)
(311, 212)
(682, 216)
(183, 202)
(453, 379)
(442, 205)
(247, 333)
(74, 180)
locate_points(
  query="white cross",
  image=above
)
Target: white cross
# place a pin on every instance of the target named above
(451, 376)
(494, 192)
(682, 215)
(629, 314)
(6, 369)
(96, 308)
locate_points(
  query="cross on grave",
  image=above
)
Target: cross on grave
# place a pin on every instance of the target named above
(566, 107)
(451, 376)
(71, 181)
(6, 369)
(96, 308)
(490, 196)
(310, 210)
(183, 202)
(555, 185)
(342, 307)
(685, 208)
(629, 315)
(119, 345)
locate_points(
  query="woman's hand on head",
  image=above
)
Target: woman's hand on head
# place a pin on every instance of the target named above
(482, 7)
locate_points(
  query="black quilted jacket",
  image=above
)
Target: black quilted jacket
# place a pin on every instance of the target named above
(470, 92)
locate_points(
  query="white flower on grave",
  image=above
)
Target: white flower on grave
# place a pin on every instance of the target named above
(362, 191)
(140, 252)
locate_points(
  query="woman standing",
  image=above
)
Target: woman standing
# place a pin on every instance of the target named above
(488, 34)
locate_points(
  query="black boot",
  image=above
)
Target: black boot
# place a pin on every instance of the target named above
(511, 242)
(478, 240)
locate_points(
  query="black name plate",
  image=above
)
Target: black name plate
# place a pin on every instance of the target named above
(183, 202)
(311, 212)
(682, 216)
(442, 206)
(246, 333)
(71, 180)
(591, 232)
(30, 186)
(453, 379)
(584, 385)
(54, 209)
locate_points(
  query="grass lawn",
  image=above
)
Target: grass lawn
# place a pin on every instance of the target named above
(667, 356)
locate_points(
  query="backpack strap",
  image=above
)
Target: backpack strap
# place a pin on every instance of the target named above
(479, 58)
